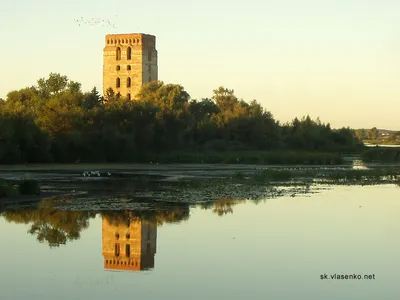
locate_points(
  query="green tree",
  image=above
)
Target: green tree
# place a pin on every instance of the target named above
(77, 126)
(373, 133)
(74, 87)
(54, 84)
(92, 99)
(21, 140)
(360, 134)
(225, 99)
(168, 97)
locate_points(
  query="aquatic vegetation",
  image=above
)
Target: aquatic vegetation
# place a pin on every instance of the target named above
(238, 176)
(369, 176)
(272, 175)
(15, 188)
(29, 187)
(197, 185)
(300, 176)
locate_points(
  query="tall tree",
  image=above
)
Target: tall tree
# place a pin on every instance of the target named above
(54, 84)
(225, 98)
(373, 133)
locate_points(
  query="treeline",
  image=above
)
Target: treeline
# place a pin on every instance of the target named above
(376, 136)
(55, 121)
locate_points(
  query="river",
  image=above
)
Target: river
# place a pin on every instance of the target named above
(273, 249)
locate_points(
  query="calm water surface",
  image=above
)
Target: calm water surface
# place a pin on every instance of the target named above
(276, 249)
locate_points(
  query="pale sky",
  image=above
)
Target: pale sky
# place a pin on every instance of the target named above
(334, 59)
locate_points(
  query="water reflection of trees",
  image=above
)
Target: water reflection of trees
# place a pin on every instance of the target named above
(222, 206)
(158, 215)
(56, 227)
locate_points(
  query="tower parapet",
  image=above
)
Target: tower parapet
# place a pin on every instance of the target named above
(132, 39)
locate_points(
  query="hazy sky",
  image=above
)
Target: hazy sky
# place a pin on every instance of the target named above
(338, 60)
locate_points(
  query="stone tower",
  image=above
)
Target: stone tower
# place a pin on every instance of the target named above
(129, 245)
(130, 60)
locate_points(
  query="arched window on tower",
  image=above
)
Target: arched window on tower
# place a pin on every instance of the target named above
(129, 98)
(118, 82)
(128, 53)
(118, 53)
(128, 82)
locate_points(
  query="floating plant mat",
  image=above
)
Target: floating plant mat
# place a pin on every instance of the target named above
(170, 197)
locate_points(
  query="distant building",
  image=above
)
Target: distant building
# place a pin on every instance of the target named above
(129, 61)
(129, 245)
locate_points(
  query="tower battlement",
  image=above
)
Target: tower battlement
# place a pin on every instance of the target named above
(131, 39)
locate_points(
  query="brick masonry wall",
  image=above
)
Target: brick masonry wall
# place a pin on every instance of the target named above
(141, 67)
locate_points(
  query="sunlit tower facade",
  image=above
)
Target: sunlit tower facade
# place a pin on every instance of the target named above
(128, 245)
(129, 61)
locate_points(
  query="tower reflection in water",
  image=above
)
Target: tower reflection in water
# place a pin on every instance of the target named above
(128, 243)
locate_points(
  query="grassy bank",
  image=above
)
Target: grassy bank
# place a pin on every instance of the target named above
(381, 154)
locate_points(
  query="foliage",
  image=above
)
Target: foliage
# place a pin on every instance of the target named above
(21, 140)
(379, 154)
(378, 136)
(55, 121)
